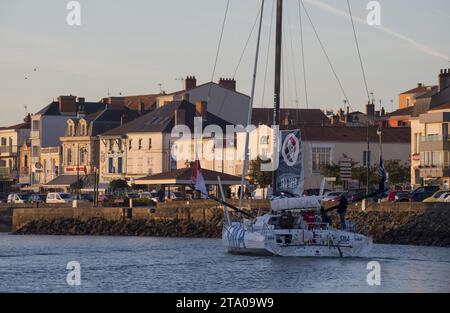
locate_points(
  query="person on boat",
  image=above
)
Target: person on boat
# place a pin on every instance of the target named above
(342, 210)
(325, 218)
(286, 220)
(309, 218)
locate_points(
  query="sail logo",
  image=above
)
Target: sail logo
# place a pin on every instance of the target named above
(291, 150)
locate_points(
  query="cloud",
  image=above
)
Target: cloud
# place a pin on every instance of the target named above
(414, 44)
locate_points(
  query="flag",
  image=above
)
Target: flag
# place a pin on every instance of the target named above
(197, 179)
(381, 176)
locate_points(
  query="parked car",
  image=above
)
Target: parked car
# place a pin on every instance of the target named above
(402, 196)
(437, 195)
(18, 198)
(57, 197)
(333, 196)
(86, 197)
(421, 193)
(38, 198)
(174, 195)
(153, 195)
(445, 197)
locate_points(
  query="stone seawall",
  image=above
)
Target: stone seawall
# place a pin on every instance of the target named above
(402, 223)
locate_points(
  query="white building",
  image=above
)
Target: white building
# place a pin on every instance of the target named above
(11, 138)
(223, 99)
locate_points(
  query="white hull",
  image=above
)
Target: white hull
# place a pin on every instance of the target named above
(239, 239)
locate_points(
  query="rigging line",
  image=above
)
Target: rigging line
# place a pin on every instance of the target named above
(250, 108)
(357, 48)
(325, 52)
(268, 54)
(225, 97)
(303, 53)
(218, 47)
(294, 71)
(246, 44)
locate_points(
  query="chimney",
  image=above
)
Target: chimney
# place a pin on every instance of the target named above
(201, 109)
(444, 79)
(419, 85)
(228, 83)
(370, 110)
(190, 83)
(179, 117)
(116, 103)
(80, 100)
(67, 104)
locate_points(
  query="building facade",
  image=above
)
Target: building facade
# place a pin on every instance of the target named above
(430, 148)
(11, 139)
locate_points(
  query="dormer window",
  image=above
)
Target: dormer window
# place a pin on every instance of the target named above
(140, 144)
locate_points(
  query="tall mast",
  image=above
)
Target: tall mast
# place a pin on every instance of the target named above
(276, 109)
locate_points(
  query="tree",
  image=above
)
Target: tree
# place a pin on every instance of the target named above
(398, 173)
(263, 179)
(332, 170)
(118, 184)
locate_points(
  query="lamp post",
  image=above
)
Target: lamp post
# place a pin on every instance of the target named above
(80, 150)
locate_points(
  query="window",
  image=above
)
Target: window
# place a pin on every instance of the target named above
(367, 158)
(69, 156)
(83, 129)
(119, 165)
(140, 144)
(70, 132)
(110, 165)
(35, 126)
(130, 144)
(149, 143)
(83, 157)
(25, 161)
(3, 141)
(111, 144)
(408, 102)
(321, 157)
(119, 144)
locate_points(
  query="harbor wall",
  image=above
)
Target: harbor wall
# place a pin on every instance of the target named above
(399, 223)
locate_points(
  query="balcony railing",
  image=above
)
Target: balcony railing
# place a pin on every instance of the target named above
(8, 149)
(434, 138)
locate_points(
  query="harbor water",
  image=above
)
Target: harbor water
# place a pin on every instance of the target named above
(140, 264)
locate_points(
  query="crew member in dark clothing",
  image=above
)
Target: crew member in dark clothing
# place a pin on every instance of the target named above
(325, 218)
(161, 195)
(342, 210)
(286, 220)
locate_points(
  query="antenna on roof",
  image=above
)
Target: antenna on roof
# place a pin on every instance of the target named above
(25, 107)
(160, 88)
(108, 92)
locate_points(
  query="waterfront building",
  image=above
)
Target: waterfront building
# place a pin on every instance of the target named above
(327, 145)
(430, 147)
(80, 148)
(143, 147)
(223, 98)
(11, 138)
(49, 124)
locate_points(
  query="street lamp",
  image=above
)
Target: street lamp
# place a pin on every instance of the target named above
(80, 151)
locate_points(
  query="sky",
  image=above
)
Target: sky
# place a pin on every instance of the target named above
(137, 47)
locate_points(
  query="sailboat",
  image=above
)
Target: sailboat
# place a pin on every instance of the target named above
(295, 227)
